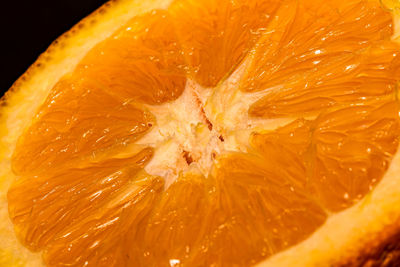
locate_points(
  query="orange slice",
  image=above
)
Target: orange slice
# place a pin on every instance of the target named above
(208, 133)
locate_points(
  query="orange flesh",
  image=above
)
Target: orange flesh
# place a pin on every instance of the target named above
(329, 65)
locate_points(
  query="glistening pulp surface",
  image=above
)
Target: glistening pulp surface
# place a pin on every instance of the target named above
(247, 123)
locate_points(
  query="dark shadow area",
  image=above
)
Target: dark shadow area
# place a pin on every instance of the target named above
(28, 28)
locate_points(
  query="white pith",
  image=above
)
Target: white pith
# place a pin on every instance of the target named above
(202, 123)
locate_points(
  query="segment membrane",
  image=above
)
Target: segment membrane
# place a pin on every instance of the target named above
(216, 34)
(141, 62)
(314, 56)
(79, 120)
(54, 200)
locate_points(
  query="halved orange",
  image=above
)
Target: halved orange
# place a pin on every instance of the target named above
(208, 133)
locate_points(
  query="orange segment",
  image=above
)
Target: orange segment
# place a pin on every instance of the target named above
(104, 238)
(53, 201)
(255, 211)
(353, 78)
(216, 35)
(177, 223)
(338, 157)
(79, 119)
(140, 62)
(249, 206)
(284, 149)
(312, 58)
(352, 149)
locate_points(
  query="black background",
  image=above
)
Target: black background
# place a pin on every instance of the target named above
(28, 27)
